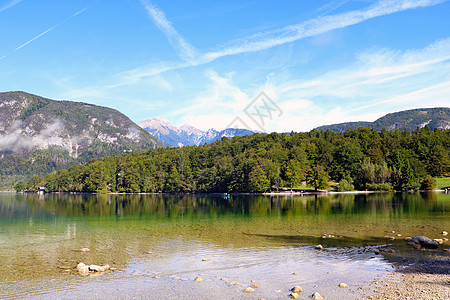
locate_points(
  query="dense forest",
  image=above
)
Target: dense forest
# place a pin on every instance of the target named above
(362, 159)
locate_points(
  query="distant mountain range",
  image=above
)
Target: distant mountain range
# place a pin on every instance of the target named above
(186, 135)
(407, 119)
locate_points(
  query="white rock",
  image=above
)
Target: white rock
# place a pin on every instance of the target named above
(316, 296)
(96, 268)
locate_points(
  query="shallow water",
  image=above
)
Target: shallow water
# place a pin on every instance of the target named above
(247, 239)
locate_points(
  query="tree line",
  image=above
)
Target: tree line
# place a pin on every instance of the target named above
(361, 159)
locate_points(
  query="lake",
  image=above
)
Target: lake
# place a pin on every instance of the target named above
(158, 244)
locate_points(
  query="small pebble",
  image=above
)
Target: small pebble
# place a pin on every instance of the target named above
(297, 289)
(343, 285)
(319, 247)
(444, 232)
(293, 295)
(198, 279)
(249, 290)
(206, 259)
(255, 285)
(316, 296)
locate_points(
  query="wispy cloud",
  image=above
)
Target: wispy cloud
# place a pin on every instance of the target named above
(184, 49)
(44, 33)
(266, 40)
(9, 5)
(379, 71)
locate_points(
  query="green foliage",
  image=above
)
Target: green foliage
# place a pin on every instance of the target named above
(293, 173)
(428, 183)
(317, 178)
(34, 183)
(258, 181)
(345, 185)
(363, 158)
(380, 187)
(20, 186)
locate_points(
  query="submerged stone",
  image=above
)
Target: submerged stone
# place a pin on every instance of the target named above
(425, 242)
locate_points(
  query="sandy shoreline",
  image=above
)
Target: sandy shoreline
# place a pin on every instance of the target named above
(428, 279)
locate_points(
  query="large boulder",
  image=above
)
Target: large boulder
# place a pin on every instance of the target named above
(424, 242)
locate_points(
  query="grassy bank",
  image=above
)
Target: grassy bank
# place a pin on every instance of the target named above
(442, 182)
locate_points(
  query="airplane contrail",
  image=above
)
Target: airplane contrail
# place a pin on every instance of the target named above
(43, 33)
(9, 5)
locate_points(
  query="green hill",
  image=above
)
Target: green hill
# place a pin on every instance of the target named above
(38, 135)
(407, 119)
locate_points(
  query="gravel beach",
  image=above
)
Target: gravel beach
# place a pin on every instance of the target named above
(429, 279)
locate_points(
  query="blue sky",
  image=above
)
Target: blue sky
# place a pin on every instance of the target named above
(204, 62)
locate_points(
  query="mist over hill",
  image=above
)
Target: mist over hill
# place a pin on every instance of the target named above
(38, 135)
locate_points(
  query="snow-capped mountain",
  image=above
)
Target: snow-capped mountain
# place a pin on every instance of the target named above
(186, 135)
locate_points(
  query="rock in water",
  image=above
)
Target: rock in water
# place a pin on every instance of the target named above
(198, 279)
(319, 247)
(80, 265)
(84, 270)
(343, 285)
(297, 289)
(96, 268)
(444, 232)
(248, 290)
(106, 267)
(293, 295)
(425, 242)
(316, 296)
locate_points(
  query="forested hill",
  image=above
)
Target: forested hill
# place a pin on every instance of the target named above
(408, 119)
(360, 158)
(40, 135)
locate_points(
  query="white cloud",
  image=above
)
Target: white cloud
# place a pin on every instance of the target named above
(377, 71)
(184, 49)
(266, 40)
